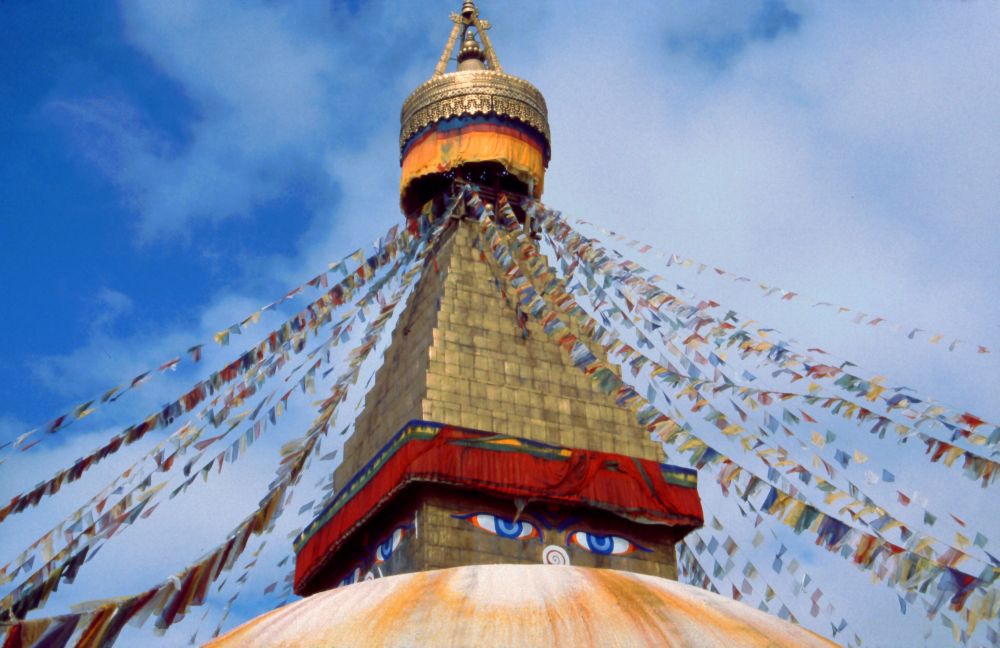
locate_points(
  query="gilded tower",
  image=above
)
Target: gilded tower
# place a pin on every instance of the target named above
(484, 456)
(463, 357)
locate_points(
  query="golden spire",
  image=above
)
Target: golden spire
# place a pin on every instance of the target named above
(511, 131)
(469, 17)
(470, 57)
(478, 85)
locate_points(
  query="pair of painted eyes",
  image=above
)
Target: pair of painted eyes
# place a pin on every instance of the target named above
(605, 545)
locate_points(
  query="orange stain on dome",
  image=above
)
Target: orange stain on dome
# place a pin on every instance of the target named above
(518, 605)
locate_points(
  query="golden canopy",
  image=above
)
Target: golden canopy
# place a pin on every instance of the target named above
(477, 114)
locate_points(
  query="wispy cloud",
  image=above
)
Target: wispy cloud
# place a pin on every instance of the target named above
(717, 38)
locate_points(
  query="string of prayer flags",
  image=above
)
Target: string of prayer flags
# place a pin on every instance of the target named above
(386, 249)
(800, 518)
(691, 570)
(193, 582)
(743, 579)
(169, 600)
(290, 337)
(975, 466)
(751, 440)
(83, 518)
(564, 302)
(254, 432)
(632, 275)
(857, 317)
(748, 440)
(183, 438)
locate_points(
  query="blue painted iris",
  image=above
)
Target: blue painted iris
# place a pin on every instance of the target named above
(385, 548)
(501, 526)
(351, 578)
(605, 545)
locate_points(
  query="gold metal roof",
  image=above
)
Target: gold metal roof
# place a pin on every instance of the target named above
(479, 86)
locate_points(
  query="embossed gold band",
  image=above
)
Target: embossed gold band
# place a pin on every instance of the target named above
(469, 93)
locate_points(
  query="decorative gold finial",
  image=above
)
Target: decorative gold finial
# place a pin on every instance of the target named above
(469, 17)
(470, 57)
(507, 108)
(478, 86)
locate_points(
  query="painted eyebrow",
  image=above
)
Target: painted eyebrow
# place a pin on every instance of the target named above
(541, 519)
(566, 522)
(537, 517)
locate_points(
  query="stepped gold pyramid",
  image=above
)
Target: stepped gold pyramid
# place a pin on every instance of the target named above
(462, 356)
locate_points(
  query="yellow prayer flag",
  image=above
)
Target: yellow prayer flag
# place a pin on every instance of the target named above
(889, 526)
(953, 453)
(47, 547)
(832, 497)
(871, 508)
(150, 492)
(795, 513)
(691, 444)
(860, 457)
(874, 391)
(732, 429)
(923, 547)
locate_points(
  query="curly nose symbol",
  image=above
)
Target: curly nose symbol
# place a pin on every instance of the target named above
(553, 555)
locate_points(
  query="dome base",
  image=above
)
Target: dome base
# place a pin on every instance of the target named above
(519, 605)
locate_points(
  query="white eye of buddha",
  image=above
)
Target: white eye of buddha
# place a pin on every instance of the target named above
(605, 545)
(389, 545)
(351, 578)
(501, 526)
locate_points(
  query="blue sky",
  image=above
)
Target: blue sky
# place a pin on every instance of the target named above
(167, 168)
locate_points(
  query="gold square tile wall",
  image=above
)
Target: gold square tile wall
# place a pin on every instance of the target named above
(458, 356)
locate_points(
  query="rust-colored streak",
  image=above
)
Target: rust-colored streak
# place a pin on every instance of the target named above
(518, 605)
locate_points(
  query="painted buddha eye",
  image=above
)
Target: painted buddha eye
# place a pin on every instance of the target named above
(501, 526)
(351, 578)
(605, 545)
(384, 550)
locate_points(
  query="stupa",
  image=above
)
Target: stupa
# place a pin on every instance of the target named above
(491, 494)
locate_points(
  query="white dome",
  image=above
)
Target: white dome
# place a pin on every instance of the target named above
(518, 605)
